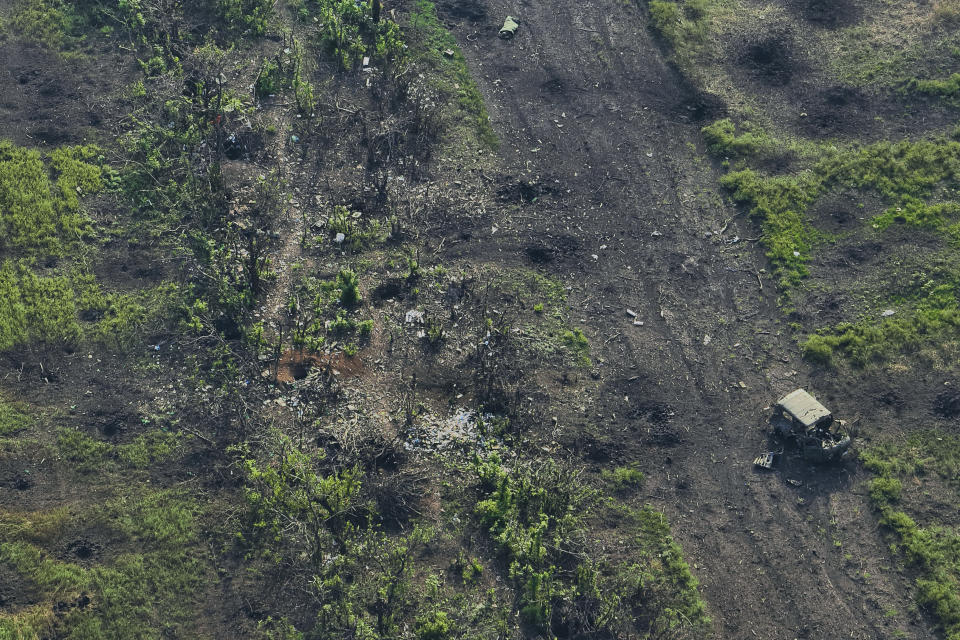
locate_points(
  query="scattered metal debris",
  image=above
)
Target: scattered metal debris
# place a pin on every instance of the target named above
(764, 460)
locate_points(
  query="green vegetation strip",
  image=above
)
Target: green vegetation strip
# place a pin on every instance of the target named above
(933, 550)
(439, 51)
(684, 25)
(41, 220)
(918, 181)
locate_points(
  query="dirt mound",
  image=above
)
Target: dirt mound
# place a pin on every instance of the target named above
(770, 58)
(296, 365)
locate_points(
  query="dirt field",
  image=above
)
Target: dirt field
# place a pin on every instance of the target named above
(586, 106)
(602, 202)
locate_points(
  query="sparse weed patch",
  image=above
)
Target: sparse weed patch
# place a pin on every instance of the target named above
(684, 25)
(13, 418)
(431, 40)
(934, 550)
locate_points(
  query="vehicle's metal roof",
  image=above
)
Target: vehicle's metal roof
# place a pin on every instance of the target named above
(803, 407)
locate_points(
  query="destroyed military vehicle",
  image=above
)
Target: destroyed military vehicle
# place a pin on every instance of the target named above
(798, 416)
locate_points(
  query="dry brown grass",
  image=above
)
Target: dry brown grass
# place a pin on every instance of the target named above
(946, 12)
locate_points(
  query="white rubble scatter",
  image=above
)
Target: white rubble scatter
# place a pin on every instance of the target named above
(413, 317)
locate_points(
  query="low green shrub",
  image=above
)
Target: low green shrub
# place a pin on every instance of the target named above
(946, 88)
(623, 477)
(934, 550)
(578, 346)
(13, 418)
(722, 139)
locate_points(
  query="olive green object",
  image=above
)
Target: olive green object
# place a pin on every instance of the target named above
(509, 28)
(800, 416)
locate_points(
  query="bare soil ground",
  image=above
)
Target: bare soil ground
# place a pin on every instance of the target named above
(585, 104)
(601, 182)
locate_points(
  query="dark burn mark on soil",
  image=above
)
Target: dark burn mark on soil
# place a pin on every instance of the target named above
(546, 251)
(48, 101)
(82, 551)
(837, 110)
(389, 290)
(16, 593)
(770, 58)
(469, 10)
(829, 14)
(947, 404)
(523, 191)
(700, 106)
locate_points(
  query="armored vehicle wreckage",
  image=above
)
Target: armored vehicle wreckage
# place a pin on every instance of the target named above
(799, 417)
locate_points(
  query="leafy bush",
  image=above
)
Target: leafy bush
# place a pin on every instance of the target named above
(246, 15)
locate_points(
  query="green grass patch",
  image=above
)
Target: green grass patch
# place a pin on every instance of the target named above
(149, 594)
(40, 211)
(779, 203)
(948, 88)
(928, 313)
(89, 455)
(433, 41)
(684, 25)
(905, 173)
(13, 418)
(933, 550)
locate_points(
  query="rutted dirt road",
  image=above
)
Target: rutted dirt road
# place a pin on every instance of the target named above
(629, 215)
